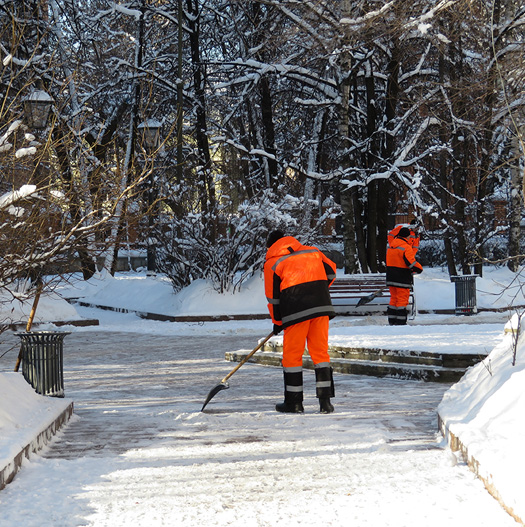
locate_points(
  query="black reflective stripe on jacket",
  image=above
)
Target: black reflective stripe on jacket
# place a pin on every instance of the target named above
(399, 277)
(304, 302)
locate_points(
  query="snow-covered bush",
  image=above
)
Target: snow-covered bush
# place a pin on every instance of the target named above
(431, 251)
(187, 252)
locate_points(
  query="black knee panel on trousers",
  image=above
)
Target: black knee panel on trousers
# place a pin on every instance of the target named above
(324, 382)
(293, 385)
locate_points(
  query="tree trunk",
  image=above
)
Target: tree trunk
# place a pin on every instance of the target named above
(360, 234)
(516, 207)
(347, 200)
(371, 232)
(269, 132)
(444, 176)
(384, 186)
(313, 166)
(371, 156)
(115, 222)
(207, 186)
(347, 207)
(383, 204)
(87, 262)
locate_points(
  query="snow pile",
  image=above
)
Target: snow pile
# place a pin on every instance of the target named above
(23, 415)
(485, 411)
(496, 289)
(154, 294)
(15, 308)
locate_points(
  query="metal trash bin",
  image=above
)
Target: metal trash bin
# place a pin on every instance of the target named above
(466, 303)
(42, 361)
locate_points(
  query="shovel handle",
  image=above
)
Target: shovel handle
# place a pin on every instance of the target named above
(257, 348)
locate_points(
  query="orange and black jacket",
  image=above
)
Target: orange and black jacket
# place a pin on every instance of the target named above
(296, 282)
(401, 264)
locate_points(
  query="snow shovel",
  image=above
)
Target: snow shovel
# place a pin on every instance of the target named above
(223, 385)
(366, 299)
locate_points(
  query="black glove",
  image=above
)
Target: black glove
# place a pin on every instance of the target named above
(277, 329)
(417, 270)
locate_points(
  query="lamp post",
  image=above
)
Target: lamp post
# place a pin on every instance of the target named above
(37, 107)
(150, 132)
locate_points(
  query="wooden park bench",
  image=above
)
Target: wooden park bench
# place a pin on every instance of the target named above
(347, 292)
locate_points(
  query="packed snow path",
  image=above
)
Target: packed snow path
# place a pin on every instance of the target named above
(140, 452)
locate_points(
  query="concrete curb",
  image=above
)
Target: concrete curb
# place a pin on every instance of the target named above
(8, 472)
(84, 322)
(171, 318)
(457, 446)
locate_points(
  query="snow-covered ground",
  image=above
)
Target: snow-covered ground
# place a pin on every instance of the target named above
(250, 465)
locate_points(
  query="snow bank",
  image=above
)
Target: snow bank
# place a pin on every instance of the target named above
(51, 307)
(496, 289)
(138, 292)
(25, 418)
(485, 413)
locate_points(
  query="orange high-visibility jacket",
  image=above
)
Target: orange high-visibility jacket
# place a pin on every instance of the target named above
(413, 239)
(401, 264)
(296, 282)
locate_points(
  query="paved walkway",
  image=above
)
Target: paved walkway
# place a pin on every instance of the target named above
(142, 446)
(123, 386)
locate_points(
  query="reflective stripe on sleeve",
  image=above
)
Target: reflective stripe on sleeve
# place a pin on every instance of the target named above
(290, 255)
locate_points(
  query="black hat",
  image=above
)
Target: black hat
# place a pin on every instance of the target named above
(404, 232)
(273, 237)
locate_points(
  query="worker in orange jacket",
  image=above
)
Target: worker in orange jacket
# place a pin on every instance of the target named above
(413, 238)
(401, 264)
(296, 282)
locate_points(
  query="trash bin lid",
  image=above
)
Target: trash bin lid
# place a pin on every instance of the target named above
(463, 277)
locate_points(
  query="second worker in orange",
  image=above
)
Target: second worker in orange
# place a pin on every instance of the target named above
(401, 264)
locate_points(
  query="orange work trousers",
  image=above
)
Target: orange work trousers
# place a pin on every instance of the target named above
(399, 296)
(312, 334)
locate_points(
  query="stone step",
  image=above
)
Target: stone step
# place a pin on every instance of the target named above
(424, 358)
(376, 368)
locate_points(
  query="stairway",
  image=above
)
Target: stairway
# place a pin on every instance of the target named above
(416, 365)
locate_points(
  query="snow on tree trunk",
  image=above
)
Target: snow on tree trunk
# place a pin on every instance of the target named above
(112, 249)
(347, 205)
(516, 206)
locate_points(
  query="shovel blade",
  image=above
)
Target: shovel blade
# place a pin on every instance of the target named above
(364, 300)
(214, 391)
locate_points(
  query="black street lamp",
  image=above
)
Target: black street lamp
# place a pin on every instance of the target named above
(37, 107)
(150, 131)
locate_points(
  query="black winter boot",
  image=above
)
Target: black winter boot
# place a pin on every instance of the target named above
(324, 383)
(293, 391)
(325, 406)
(290, 408)
(392, 316)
